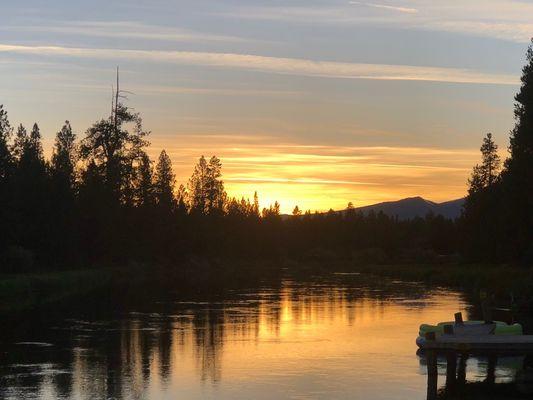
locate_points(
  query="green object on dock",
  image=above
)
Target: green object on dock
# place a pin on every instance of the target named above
(481, 343)
(502, 328)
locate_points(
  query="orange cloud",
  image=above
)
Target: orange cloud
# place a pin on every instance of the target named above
(320, 177)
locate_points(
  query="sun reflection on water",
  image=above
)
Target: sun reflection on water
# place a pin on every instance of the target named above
(329, 338)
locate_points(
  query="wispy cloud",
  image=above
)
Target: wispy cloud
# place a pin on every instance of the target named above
(168, 89)
(124, 30)
(500, 19)
(304, 181)
(514, 32)
(319, 176)
(406, 10)
(291, 66)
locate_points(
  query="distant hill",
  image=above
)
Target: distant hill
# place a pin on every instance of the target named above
(412, 207)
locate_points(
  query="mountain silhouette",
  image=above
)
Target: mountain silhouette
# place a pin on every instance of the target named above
(413, 207)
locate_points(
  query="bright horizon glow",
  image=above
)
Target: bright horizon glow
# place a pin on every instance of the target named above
(313, 104)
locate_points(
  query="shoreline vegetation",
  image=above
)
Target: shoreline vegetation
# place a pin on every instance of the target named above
(33, 291)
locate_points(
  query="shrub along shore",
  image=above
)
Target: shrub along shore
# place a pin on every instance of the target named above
(22, 292)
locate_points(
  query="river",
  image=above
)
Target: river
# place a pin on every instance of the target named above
(339, 336)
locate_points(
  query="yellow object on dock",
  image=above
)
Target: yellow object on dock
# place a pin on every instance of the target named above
(475, 343)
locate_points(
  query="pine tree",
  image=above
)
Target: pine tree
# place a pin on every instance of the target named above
(164, 182)
(5, 154)
(30, 151)
(63, 191)
(34, 142)
(491, 160)
(216, 196)
(6, 167)
(196, 186)
(486, 174)
(30, 192)
(64, 157)
(207, 195)
(144, 182)
(272, 212)
(182, 199)
(20, 142)
(517, 178)
(114, 150)
(255, 209)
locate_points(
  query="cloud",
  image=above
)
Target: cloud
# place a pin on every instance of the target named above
(514, 32)
(499, 19)
(319, 176)
(125, 30)
(304, 181)
(291, 66)
(406, 10)
(169, 89)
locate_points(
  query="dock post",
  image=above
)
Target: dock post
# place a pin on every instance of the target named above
(491, 369)
(461, 369)
(451, 371)
(431, 361)
(458, 318)
(486, 306)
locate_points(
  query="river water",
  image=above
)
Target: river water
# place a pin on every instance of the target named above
(340, 336)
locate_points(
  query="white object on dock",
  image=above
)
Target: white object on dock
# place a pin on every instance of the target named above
(467, 343)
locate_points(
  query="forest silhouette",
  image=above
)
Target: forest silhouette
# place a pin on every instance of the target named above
(99, 200)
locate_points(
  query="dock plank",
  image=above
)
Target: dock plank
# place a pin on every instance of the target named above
(499, 343)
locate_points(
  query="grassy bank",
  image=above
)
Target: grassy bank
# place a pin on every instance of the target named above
(26, 291)
(22, 292)
(504, 281)
(31, 291)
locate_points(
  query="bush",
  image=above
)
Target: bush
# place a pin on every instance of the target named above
(17, 259)
(373, 255)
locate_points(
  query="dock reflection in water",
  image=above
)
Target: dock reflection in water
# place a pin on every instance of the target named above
(489, 376)
(335, 337)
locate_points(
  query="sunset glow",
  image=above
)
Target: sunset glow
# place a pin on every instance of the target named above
(315, 104)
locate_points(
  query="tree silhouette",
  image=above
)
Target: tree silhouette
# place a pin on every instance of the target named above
(6, 166)
(114, 149)
(207, 195)
(30, 200)
(144, 182)
(487, 173)
(273, 211)
(182, 200)
(64, 157)
(5, 154)
(100, 202)
(517, 185)
(255, 209)
(20, 142)
(63, 191)
(164, 182)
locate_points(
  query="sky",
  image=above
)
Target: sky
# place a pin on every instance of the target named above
(313, 103)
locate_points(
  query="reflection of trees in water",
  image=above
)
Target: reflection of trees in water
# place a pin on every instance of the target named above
(208, 328)
(127, 358)
(487, 384)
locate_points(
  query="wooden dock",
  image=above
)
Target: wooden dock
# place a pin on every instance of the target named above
(462, 340)
(475, 344)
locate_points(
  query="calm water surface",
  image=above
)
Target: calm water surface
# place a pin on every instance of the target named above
(342, 336)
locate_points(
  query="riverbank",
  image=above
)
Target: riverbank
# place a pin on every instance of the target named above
(509, 284)
(23, 292)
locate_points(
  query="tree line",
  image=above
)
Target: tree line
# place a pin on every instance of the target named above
(497, 221)
(100, 200)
